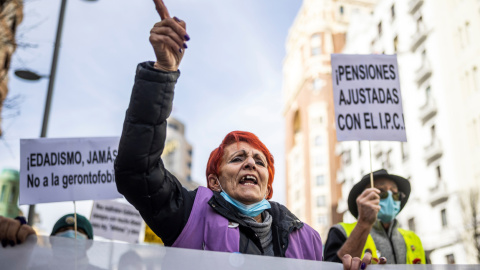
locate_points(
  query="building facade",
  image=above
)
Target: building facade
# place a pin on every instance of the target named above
(177, 154)
(9, 190)
(311, 158)
(438, 57)
(11, 14)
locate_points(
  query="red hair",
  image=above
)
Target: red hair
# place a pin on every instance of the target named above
(215, 159)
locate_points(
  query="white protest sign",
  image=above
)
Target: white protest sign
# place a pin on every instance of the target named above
(116, 221)
(366, 94)
(73, 169)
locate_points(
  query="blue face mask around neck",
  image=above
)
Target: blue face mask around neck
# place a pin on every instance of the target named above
(251, 210)
(388, 209)
(71, 234)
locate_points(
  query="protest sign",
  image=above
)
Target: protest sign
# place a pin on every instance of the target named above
(73, 169)
(368, 103)
(116, 221)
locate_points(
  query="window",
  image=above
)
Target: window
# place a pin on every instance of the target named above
(403, 147)
(439, 172)
(317, 84)
(322, 220)
(450, 259)
(379, 28)
(387, 164)
(12, 195)
(443, 214)
(318, 140)
(460, 37)
(359, 148)
(316, 44)
(395, 44)
(432, 134)
(467, 82)
(318, 160)
(346, 157)
(420, 24)
(4, 191)
(320, 120)
(411, 224)
(467, 33)
(475, 132)
(392, 11)
(341, 10)
(173, 126)
(321, 201)
(320, 180)
(475, 79)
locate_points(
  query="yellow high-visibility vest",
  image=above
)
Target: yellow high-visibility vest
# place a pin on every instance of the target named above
(415, 252)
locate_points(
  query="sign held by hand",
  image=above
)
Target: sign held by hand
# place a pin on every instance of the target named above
(69, 169)
(366, 94)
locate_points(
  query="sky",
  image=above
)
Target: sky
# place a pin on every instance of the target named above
(231, 76)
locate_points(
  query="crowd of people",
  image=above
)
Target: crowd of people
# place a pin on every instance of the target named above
(234, 212)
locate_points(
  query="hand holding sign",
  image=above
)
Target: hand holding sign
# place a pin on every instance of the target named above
(168, 39)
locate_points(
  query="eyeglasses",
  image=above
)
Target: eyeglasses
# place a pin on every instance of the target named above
(397, 196)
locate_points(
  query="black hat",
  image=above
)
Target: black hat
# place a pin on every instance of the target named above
(402, 184)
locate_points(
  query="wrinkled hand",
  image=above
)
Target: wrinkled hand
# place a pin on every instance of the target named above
(168, 39)
(356, 263)
(12, 232)
(368, 206)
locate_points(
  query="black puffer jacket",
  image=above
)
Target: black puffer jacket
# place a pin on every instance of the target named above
(159, 197)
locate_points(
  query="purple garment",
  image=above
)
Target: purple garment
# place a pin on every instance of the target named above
(207, 230)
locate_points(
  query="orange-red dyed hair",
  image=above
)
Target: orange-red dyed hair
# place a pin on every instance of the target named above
(215, 159)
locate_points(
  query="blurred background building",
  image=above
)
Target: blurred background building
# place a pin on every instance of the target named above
(177, 154)
(312, 161)
(438, 57)
(11, 14)
(9, 191)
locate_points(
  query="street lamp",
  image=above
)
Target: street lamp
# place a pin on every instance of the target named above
(29, 75)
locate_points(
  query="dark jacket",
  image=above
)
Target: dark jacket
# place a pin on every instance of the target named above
(159, 197)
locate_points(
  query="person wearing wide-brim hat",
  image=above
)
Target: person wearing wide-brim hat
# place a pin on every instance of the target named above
(376, 230)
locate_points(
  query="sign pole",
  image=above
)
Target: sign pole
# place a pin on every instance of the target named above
(75, 215)
(371, 171)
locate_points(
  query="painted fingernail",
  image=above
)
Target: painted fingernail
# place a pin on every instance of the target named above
(382, 259)
(11, 243)
(187, 37)
(176, 19)
(4, 243)
(363, 265)
(185, 45)
(180, 50)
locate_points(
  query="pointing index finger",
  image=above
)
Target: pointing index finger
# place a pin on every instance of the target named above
(161, 9)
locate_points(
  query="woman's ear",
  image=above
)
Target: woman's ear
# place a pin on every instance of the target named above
(213, 183)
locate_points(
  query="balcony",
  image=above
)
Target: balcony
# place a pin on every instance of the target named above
(414, 5)
(438, 194)
(341, 176)
(428, 110)
(423, 73)
(419, 37)
(433, 151)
